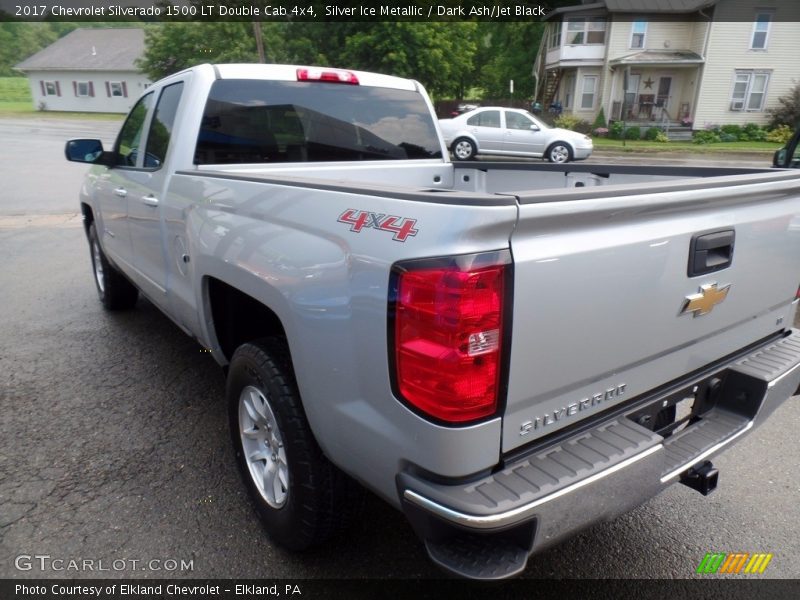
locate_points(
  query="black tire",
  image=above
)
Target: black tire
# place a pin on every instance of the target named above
(559, 152)
(464, 149)
(114, 290)
(320, 500)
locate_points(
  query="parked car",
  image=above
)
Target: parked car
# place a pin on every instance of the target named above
(788, 157)
(511, 132)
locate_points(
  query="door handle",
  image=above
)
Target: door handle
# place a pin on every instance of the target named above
(711, 252)
(150, 200)
(121, 192)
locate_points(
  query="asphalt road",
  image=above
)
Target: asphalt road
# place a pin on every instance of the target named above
(114, 441)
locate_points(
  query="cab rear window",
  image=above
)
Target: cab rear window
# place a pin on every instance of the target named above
(251, 121)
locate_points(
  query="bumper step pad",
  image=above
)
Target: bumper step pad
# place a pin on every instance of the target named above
(476, 557)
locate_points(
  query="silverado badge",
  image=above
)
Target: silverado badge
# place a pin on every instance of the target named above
(704, 302)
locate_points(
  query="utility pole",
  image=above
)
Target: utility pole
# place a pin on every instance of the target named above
(259, 41)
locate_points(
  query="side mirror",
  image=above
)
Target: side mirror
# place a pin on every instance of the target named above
(779, 158)
(534, 128)
(87, 151)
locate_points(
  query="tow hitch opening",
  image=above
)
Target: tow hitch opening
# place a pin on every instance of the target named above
(703, 478)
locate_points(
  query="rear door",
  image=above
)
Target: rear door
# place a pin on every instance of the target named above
(608, 304)
(144, 202)
(487, 128)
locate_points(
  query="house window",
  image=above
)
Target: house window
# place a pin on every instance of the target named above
(760, 31)
(586, 31)
(555, 35)
(588, 91)
(83, 88)
(50, 88)
(749, 90)
(116, 88)
(638, 31)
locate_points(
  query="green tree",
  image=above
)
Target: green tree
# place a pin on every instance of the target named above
(506, 51)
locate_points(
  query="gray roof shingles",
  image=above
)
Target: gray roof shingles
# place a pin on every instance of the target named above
(90, 50)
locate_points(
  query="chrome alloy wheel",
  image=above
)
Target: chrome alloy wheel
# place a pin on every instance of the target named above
(97, 263)
(262, 445)
(559, 153)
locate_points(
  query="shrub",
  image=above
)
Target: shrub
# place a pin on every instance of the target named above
(633, 133)
(728, 137)
(652, 133)
(788, 111)
(600, 120)
(566, 121)
(600, 132)
(752, 132)
(615, 130)
(781, 134)
(733, 130)
(705, 137)
(661, 137)
(582, 126)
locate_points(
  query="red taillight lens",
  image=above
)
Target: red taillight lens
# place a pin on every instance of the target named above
(448, 340)
(328, 75)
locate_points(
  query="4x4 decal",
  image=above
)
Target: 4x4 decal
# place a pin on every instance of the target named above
(401, 227)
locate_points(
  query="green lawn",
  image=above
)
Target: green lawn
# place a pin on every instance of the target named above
(14, 89)
(647, 146)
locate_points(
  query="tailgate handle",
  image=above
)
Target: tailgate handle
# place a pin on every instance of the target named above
(711, 252)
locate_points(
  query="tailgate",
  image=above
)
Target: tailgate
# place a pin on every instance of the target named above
(605, 306)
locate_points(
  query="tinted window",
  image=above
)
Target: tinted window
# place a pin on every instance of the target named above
(247, 121)
(487, 118)
(161, 126)
(130, 136)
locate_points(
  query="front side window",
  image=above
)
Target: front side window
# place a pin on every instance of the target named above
(515, 120)
(588, 91)
(749, 91)
(486, 118)
(130, 136)
(758, 41)
(638, 32)
(251, 121)
(161, 125)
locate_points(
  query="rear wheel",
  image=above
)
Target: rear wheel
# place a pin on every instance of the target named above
(559, 152)
(114, 291)
(301, 497)
(464, 149)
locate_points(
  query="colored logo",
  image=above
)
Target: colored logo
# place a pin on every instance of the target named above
(402, 228)
(734, 563)
(705, 300)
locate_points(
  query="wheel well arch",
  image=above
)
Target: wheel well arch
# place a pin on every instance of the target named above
(88, 217)
(237, 318)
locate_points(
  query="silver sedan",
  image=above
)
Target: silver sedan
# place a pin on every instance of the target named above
(511, 132)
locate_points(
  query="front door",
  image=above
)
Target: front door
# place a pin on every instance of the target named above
(662, 99)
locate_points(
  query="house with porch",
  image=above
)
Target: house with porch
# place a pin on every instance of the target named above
(669, 62)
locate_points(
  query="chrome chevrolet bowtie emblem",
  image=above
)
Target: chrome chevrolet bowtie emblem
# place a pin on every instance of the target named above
(704, 302)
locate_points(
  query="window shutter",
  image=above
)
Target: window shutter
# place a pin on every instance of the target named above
(108, 89)
(41, 84)
(91, 89)
(124, 89)
(58, 89)
(75, 88)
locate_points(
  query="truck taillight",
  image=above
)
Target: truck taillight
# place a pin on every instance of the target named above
(449, 336)
(327, 75)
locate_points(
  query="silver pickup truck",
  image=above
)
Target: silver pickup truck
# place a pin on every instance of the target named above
(506, 352)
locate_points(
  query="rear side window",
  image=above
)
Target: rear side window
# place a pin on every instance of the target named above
(251, 121)
(161, 126)
(486, 118)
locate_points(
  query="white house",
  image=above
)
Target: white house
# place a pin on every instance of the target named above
(700, 61)
(88, 70)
